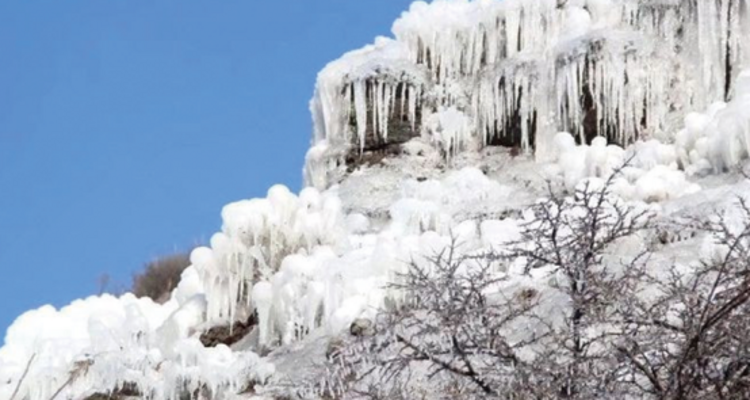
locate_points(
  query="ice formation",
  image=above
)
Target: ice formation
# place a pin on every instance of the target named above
(328, 287)
(651, 171)
(719, 138)
(106, 345)
(526, 69)
(256, 236)
(371, 85)
(586, 84)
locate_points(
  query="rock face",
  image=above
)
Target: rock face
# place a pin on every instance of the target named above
(362, 327)
(467, 75)
(228, 335)
(400, 125)
(127, 391)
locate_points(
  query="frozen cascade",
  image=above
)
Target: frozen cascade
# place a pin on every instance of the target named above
(504, 63)
(723, 37)
(256, 236)
(368, 87)
(721, 30)
(611, 82)
(508, 101)
(459, 38)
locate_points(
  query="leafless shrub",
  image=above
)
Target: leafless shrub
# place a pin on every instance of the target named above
(606, 325)
(570, 237)
(449, 327)
(456, 332)
(160, 277)
(692, 340)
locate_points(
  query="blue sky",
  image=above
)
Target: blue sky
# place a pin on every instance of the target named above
(125, 126)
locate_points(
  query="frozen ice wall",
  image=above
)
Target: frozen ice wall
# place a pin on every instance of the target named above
(257, 235)
(523, 70)
(367, 88)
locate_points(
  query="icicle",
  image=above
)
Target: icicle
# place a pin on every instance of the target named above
(257, 236)
(460, 38)
(451, 129)
(360, 107)
(512, 93)
(593, 60)
(363, 82)
(413, 94)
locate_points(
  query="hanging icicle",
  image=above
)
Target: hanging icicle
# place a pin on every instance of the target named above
(524, 69)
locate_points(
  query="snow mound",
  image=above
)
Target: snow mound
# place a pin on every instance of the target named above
(718, 139)
(646, 171)
(106, 344)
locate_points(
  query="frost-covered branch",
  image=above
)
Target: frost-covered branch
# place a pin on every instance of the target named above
(448, 332)
(464, 319)
(691, 341)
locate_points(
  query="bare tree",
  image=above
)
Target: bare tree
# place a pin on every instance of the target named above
(571, 236)
(466, 329)
(604, 325)
(445, 338)
(691, 339)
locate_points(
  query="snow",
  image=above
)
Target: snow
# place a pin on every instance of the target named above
(98, 344)
(648, 170)
(718, 139)
(462, 75)
(437, 205)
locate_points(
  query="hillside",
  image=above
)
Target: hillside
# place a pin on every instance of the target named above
(453, 130)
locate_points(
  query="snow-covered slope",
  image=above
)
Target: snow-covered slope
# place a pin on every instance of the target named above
(405, 157)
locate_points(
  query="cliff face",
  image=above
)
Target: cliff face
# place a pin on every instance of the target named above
(467, 75)
(451, 129)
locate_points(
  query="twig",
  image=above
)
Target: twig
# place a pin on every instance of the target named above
(63, 386)
(23, 376)
(80, 368)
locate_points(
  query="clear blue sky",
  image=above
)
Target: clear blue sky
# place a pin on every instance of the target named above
(125, 126)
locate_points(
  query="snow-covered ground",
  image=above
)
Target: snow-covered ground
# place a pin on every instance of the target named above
(311, 263)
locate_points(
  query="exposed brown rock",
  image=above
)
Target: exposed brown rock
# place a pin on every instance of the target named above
(356, 159)
(228, 335)
(127, 390)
